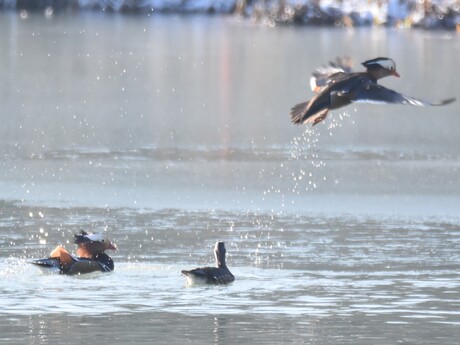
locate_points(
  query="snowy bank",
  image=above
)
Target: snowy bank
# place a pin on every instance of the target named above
(428, 14)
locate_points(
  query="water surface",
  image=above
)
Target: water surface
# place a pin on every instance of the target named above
(171, 133)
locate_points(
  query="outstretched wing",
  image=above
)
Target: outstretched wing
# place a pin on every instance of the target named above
(374, 93)
(325, 75)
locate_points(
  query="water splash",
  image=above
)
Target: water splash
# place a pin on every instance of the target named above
(337, 122)
(305, 162)
(305, 148)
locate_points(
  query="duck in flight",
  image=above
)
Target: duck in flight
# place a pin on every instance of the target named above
(91, 256)
(211, 275)
(337, 86)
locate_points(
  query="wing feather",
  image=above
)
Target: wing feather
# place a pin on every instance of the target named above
(374, 93)
(326, 75)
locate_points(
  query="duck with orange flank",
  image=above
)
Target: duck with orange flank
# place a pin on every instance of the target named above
(91, 256)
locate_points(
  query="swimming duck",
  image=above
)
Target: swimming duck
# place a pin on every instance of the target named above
(211, 275)
(91, 256)
(336, 86)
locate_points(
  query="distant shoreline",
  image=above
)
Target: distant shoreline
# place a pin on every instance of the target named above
(431, 15)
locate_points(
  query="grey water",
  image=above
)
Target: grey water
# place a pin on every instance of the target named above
(170, 133)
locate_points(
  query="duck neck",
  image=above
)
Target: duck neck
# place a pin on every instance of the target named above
(376, 73)
(220, 260)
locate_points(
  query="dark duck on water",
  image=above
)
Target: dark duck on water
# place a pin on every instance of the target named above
(336, 86)
(211, 275)
(91, 256)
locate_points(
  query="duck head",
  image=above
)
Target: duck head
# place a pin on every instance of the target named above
(219, 253)
(90, 245)
(381, 67)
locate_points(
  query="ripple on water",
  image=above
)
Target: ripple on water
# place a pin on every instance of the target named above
(287, 264)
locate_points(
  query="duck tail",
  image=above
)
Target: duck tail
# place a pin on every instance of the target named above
(298, 112)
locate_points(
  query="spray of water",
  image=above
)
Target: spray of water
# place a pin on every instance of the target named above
(303, 169)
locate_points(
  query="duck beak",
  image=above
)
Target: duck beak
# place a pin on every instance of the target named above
(396, 74)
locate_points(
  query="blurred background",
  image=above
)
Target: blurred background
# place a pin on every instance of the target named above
(431, 14)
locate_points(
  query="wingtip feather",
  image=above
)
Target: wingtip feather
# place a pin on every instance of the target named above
(447, 101)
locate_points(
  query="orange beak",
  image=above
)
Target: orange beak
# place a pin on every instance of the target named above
(112, 246)
(396, 74)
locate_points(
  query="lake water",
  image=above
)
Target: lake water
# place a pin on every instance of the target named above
(171, 133)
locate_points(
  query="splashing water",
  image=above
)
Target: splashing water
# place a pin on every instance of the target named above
(337, 122)
(304, 148)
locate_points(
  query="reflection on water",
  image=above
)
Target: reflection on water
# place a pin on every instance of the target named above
(172, 133)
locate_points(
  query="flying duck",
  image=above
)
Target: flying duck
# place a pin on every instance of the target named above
(91, 256)
(211, 275)
(337, 86)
